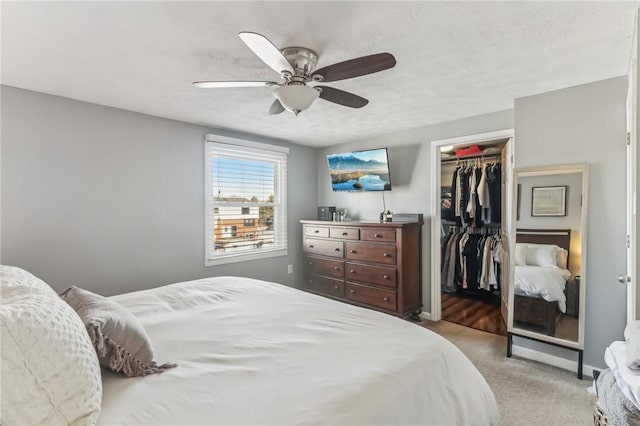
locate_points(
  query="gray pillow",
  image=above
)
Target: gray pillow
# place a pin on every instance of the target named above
(120, 341)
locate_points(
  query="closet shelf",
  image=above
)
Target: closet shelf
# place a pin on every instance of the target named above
(472, 157)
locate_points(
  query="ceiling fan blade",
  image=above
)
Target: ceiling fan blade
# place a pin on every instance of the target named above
(266, 51)
(222, 84)
(276, 108)
(341, 97)
(357, 67)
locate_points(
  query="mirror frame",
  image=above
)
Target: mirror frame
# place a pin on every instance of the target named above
(544, 171)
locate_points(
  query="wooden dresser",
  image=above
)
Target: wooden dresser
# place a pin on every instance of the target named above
(370, 264)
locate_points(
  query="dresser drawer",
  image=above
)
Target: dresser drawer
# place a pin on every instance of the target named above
(344, 233)
(324, 247)
(379, 253)
(385, 299)
(378, 234)
(371, 274)
(316, 231)
(331, 268)
(326, 286)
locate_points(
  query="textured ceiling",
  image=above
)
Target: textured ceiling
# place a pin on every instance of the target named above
(454, 59)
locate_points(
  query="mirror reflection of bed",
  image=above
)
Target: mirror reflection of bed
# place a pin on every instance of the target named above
(546, 292)
(549, 251)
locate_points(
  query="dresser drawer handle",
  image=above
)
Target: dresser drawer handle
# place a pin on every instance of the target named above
(386, 254)
(337, 249)
(352, 251)
(336, 268)
(353, 271)
(335, 287)
(377, 236)
(317, 231)
(352, 291)
(311, 246)
(386, 299)
(345, 233)
(385, 276)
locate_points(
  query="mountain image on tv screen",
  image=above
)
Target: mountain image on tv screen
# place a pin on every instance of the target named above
(360, 171)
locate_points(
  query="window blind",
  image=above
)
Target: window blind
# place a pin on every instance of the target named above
(245, 200)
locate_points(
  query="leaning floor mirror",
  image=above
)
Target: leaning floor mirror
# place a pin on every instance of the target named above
(548, 254)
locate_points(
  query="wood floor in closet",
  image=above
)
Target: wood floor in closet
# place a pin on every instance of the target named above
(475, 313)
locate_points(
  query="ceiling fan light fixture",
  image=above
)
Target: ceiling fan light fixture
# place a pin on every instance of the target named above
(296, 97)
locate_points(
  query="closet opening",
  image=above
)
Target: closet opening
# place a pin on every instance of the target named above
(471, 220)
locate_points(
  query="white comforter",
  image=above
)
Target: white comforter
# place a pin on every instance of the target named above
(628, 380)
(547, 282)
(254, 352)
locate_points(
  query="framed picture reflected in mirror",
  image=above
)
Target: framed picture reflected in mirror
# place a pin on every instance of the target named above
(549, 201)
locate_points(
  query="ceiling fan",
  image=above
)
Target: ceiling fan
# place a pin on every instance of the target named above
(297, 68)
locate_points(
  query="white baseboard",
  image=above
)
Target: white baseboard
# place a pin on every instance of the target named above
(556, 361)
(425, 315)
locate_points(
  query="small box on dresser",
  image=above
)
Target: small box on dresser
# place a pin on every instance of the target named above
(369, 264)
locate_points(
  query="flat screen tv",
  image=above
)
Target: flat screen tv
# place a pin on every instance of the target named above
(360, 170)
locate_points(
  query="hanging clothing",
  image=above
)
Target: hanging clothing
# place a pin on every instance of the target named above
(463, 200)
(473, 186)
(476, 195)
(470, 261)
(483, 197)
(494, 182)
(448, 263)
(470, 254)
(455, 206)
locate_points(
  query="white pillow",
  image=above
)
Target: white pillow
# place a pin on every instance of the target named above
(561, 258)
(542, 254)
(50, 370)
(521, 254)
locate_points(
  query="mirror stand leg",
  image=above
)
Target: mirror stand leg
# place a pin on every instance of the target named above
(509, 344)
(580, 356)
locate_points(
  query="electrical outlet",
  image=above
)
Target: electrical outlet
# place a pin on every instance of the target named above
(290, 269)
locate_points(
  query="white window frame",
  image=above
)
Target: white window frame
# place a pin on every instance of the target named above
(258, 151)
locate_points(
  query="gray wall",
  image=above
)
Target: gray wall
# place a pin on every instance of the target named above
(409, 165)
(586, 124)
(575, 125)
(572, 220)
(112, 200)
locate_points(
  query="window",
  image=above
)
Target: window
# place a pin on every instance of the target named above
(245, 209)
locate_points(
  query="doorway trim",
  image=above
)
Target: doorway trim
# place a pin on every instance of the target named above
(633, 182)
(477, 139)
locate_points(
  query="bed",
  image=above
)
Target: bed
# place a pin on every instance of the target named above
(247, 352)
(540, 290)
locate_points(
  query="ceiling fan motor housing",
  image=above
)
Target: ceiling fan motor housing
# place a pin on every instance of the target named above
(303, 61)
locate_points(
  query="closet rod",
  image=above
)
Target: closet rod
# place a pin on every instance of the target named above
(470, 157)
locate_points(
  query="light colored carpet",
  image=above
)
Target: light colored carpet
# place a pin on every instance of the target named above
(528, 392)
